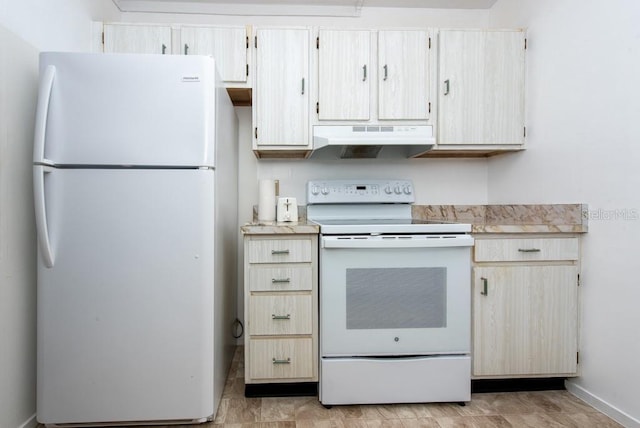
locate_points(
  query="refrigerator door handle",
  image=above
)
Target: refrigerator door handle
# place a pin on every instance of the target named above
(41, 214)
(42, 113)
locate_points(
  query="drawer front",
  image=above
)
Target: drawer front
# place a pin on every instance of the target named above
(279, 250)
(526, 249)
(284, 278)
(279, 315)
(281, 358)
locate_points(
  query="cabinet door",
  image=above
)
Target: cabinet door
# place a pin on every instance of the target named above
(343, 74)
(481, 87)
(282, 87)
(403, 77)
(228, 45)
(152, 39)
(525, 320)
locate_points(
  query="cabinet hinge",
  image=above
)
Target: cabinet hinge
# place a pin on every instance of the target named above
(247, 70)
(429, 42)
(318, 108)
(256, 133)
(577, 357)
(317, 42)
(255, 42)
(525, 44)
(247, 42)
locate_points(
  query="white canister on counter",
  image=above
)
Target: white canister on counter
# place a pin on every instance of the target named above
(267, 200)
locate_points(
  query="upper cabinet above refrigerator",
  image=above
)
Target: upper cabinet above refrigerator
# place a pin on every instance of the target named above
(132, 38)
(229, 45)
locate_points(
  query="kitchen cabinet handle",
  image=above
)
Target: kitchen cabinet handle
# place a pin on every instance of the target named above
(278, 252)
(164, 48)
(186, 49)
(446, 87)
(364, 72)
(529, 250)
(485, 285)
(303, 86)
(277, 361)
(280, 317)
(280, 281)
(386, 72)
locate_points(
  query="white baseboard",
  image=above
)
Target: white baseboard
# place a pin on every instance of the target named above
(601, 405)
(32, 422)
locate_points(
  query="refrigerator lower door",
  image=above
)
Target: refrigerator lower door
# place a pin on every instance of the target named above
(125, 314)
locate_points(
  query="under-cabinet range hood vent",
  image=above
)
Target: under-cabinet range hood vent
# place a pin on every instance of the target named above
(371, 142)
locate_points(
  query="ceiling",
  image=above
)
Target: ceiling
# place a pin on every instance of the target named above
(288, 7)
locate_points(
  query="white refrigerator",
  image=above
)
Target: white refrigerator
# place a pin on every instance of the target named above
(135, 185)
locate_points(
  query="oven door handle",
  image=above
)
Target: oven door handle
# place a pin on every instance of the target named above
(395, 242)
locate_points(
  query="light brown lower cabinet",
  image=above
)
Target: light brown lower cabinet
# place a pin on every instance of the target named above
(281, 308)
(525, 306)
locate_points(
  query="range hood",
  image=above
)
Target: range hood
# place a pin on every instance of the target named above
(371, 141)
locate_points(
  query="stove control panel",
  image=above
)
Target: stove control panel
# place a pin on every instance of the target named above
(360, 192)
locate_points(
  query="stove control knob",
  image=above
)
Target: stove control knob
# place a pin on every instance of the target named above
(325, 191)
(388, 190)
(315, 190)
(406, 190)
(397, 190)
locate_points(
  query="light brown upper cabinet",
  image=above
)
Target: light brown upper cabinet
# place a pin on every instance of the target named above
(481, 88)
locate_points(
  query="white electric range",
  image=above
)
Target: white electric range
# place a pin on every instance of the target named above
(395, 291)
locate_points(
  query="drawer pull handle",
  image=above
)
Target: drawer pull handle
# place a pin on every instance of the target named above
(280, 317)
(280, 281)
(276, 361)
(278, 252)
(485, 287)
(529, 250)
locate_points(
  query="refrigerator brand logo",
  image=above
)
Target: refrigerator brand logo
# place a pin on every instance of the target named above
(190, 78)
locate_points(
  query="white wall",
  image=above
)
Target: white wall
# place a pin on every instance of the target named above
(582, 134)
(26, 27)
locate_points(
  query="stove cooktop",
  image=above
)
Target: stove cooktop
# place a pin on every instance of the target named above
(389, 226)
(343, 207)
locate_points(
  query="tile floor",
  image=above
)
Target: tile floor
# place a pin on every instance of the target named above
(514, 409)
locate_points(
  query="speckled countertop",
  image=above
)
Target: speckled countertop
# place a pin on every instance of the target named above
(280, 228)
(532, 218)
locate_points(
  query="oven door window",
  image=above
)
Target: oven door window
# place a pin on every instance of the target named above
(392, 298)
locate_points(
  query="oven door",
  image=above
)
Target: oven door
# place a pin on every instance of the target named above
(395, 295)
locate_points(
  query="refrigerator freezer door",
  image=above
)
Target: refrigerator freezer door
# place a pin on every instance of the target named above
(119, 109)
(125, 314)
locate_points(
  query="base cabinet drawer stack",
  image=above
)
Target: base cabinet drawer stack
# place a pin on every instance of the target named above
(525, 306)
(281, 308)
